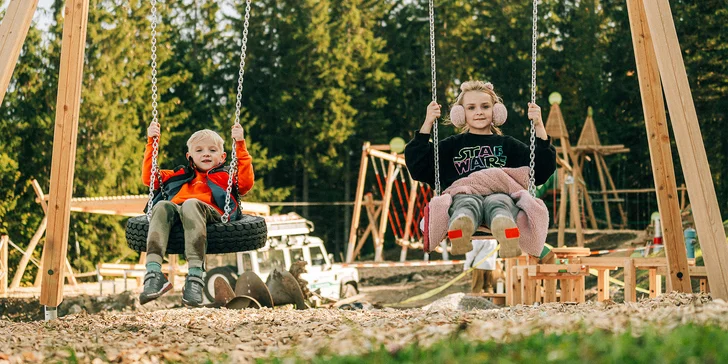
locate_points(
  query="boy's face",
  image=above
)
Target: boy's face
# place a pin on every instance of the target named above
(206, 155)
(478, 111)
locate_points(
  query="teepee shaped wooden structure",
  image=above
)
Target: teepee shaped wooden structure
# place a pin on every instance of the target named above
(589, 146)
(569, 175)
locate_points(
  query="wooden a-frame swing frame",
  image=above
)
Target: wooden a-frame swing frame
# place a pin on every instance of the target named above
(660, 66)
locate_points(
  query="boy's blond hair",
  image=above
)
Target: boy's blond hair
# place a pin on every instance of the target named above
(205, 134)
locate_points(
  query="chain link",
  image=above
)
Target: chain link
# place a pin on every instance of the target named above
(534, 46)
(155, 119)
(232, 172)
(433, 67)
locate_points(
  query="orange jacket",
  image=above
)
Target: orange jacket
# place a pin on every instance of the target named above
(208, 187)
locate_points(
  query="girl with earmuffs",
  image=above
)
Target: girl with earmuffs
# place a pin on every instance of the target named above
(478, 112)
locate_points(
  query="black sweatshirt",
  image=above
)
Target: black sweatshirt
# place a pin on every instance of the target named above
(463, 154)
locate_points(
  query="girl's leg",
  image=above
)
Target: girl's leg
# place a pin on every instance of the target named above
(500, 213)
(466, 214)
(489, 282)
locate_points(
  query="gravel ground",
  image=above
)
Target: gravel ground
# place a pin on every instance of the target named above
(195, 335)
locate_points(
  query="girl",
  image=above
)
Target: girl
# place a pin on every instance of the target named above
(477, 112)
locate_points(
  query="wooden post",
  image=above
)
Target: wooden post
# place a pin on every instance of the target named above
(630, 281)
(4, 271)
(357, 202)
(562, 213)
(386, 202)
(13, 30)
(575, 215)
(690, 146)
(64, 149)
(409, 219)
(602, 284)
(659, 143)
(603, 185)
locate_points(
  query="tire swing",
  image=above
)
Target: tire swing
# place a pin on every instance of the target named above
(242, 234)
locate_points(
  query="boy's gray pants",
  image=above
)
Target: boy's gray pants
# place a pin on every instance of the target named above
(194, 215)
(482, 209)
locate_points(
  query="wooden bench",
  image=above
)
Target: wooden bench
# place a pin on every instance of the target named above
(127, 271)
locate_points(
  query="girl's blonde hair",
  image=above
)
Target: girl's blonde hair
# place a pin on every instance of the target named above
(205, 134)
(480, 86)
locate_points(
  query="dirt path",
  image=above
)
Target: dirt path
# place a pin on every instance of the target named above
(240, 336)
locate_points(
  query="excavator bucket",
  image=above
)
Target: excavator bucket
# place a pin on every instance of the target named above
(249, 284)
(284, 289)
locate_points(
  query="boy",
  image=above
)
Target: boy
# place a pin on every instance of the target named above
(191, 195)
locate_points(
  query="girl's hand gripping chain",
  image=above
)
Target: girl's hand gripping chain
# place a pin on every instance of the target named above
(153, 130)
(433, 112)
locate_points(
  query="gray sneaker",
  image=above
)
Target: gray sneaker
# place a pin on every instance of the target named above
(155, 285)
(192, 293)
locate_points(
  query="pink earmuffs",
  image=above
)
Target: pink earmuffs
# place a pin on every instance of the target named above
(500, 113)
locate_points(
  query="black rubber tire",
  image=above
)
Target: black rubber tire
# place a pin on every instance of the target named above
(247, 233)
(226, 272)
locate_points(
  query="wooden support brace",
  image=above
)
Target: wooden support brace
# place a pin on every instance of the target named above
(13, 30)
(363, 164)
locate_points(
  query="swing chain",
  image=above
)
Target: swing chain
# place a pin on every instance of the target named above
(155, 118)
(232, 172)
(534, 46)
(433, 67)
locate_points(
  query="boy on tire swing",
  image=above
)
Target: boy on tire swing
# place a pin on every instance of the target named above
(195, 196)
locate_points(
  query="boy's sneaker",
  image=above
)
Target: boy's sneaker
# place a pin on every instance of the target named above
(459, 232)
(192, 292)
(506, 232)
(155, 285)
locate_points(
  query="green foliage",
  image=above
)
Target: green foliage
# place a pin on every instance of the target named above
(684, 344)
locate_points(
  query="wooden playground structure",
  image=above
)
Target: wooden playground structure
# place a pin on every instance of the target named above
(660, 68)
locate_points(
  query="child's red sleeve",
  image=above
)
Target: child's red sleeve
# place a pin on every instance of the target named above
(147, 165)
(246, 177)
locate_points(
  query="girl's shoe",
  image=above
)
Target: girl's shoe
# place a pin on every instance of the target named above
(506, 232)
(155, 285)
(459, 232)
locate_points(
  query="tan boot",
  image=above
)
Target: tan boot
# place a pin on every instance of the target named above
(459, 232)
(506, 232)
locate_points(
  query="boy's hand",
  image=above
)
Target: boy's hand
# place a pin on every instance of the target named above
(433, 112)
(153, 130)
(534, 113)
(238, 132)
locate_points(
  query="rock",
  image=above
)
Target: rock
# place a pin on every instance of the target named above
(417, 278)
(75, 309)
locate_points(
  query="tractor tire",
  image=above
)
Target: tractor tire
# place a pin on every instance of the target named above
(247, 233)
(226, 272)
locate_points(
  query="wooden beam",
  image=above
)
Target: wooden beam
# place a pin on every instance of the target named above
(659, 143)
(73, 45)
(4, 270)
(689, 140)
(13, 30)
(603, 185)
(386, 202)
(357, 202)
(28, 253)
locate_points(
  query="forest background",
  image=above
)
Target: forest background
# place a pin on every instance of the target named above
(323, 77)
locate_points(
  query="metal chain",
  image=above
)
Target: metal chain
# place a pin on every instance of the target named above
(155, 119)
(434, 97)
(241, 73)
(532, 162)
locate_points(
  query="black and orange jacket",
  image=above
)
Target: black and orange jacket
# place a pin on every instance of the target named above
(186, 182)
